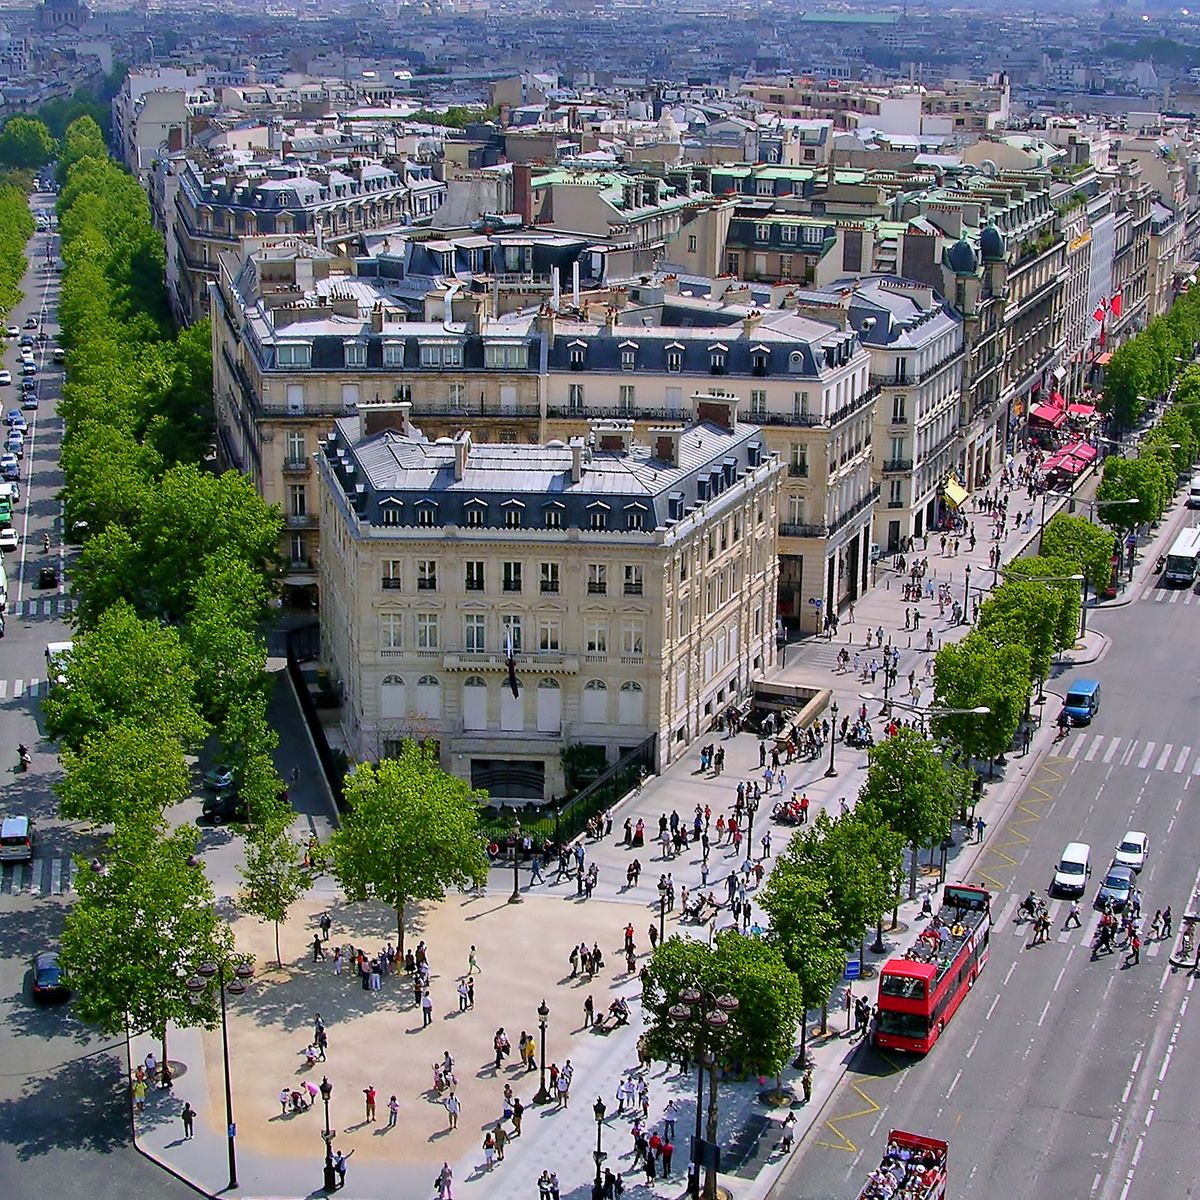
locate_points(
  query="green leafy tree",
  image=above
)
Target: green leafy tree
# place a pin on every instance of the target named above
(978, 673)
(128, 772)
(803, 927)
(1131, 374)
(1024, 613)
(272, 878)
(137, 932)
(25, 142)
(1055, 574)
(1130, 479)
(125, 669)
(1080, 542)
(760, 1032)
(914, 789)
(412, 831)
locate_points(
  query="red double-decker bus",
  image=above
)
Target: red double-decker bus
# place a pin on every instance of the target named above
(920, 992)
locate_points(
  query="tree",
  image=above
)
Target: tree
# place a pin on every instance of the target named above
(137, 932)
(1087, 546)
(1130, 479)
(273, 880)
(125, 669)
(977, 672)
(412, 831)
(1055, 575)
(1024, 613)
(26, 143)
(1131, 374)
(914, 789)
(803, 928)
(761, 1030)
(127, 772)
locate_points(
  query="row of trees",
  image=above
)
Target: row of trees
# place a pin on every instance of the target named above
(16, 228)
(173, 581)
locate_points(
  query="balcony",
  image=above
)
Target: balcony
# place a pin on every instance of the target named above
(597, 589)
(390, 583)
(296, 466)
(549, 587)
(474, 585)
(633, 589)
(426, 585)
(848, 410)
(301, 520)
(866, 502)
(798, 470)
(512, 586)
(895, 465)
(787, 529)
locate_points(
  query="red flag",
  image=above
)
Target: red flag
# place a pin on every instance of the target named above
(1098, 315)
(1115, 304)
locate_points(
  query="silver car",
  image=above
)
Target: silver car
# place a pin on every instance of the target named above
(1116, 888)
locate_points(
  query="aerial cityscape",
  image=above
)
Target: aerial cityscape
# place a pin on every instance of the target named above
(589, 612)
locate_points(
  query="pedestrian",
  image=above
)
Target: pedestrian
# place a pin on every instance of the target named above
(188, 1116)
(1026, 740)
(518, 1111)
(322, 1043)
(462, 995)
(1166, 922)
(326, 926)
(369, 1093)
(337, 961)
(473, 963)
(339, 1165)
(589, 1012)
(668, 1150)
(453, 1108)
(806, 1084)
(393, 1111)
(317, 949)
(1133, 957)
(501, 1142)
(669, 1115)
(1073, 916)
(445, 1183)
(489, 1150)
(1156, 924)
(980, 826)
(426, 1010)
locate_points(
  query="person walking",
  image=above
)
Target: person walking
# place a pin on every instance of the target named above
(501, 1141)
(1166, 922)
(326, 926)
(806, 1084)
(369, 1094)
(980, 827)
(518, 1112)
(339, 1165)
(426, 1009)
(317, 949)
(393, 1111)
(453, 1108)
(1073, 916)
(489, 1150)
(188, 1116)
(445, 1182)
(1134, 955)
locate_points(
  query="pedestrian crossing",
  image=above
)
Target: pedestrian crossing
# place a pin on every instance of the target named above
(42, 606)
(1166, 595)
(39, 877)
(1130, 752)
(21, 689)
(1012, 922)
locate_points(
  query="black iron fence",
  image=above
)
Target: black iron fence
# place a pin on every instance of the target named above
(559, 821)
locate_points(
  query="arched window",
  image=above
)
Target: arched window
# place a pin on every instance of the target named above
(549, 706)
(631, 704)
(595, 702)
(392, 698)
(475, 702)
(429, 697)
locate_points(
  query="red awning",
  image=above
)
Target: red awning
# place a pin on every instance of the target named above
(1068, 465)
(1081, 410)
(1056, 398)
(1049, 464)
(1048, 415)
(1104, 359)
(1081, 451)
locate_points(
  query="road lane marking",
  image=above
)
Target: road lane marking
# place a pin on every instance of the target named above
(1076, 742)
(1045, 1010)
(992, 1006)
(1146, 755)
(1182, 759)
(953, 1084)
(56, 876)
(1097, 742)
(1060, 978)
(1164, 757)
(1008, 975)
(1108, 754)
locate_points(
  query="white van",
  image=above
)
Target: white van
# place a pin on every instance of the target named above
(1073, 870)
(1193, 500)
(57, 656)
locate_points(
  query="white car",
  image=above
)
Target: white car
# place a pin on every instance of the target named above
(1132, 850)
(9, 539)
(12, 331)
(5, 378)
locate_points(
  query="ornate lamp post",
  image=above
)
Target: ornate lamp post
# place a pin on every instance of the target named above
(751, 809)
(543, 1012)
(598, 1154)
(707, 1015)
(330, 1181)
(662, 910)
(966, 594)
(515, 898)
(832, 771)
(197, 986)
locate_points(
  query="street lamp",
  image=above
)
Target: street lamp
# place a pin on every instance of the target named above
(598, 1186)
(197, 985)
(543, 1012)
(330, 1181)
(690, 1012)
(966, 594)
(515, 898)
(832, 771)
(662, 909)
(751, 809)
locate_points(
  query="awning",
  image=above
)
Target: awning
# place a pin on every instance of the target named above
(1058, 400)
(1048, 415)
(1063, 464)
(1081, 451)
(1081, 410)
(1104, 359)
(1059, 372)
(954, 492)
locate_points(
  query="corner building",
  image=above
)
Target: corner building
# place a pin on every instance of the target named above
(634, 583)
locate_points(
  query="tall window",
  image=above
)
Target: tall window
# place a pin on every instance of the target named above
(456, 395)
(393, 575)
(597, 579)
(549, 637)
(474, 576)
(426, 574)
(427, 631)
(633, 580)
(510, 627)
(298, 500)
(628, 397)
(596, 636)
(633, 634)
(474, 639)
(575, 396)
(550, 580)
(391, 631)
(512, 577)
(758, 403)
(296, 453)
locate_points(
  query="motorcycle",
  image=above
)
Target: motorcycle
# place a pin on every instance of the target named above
(24, 756)
(1160, 565)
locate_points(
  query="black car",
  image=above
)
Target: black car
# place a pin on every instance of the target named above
(48, 577)
(48, 985)
(225, 806)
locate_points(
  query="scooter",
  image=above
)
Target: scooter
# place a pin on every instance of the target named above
(1160, 565)
(25, 759)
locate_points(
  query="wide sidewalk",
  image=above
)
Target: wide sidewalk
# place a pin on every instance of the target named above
(564, 1139)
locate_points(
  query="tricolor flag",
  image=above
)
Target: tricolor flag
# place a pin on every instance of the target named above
(1101, 309)
(1114, 305)
(510, 661)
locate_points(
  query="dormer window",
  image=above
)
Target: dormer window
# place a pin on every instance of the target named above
(506, 355)
(788, 233)
(628, 357)
(356, 354)
(426, 513)
(576, 354)
(598, 516)
(390, 512)
(476, 513)
(762, 233)
(293, 354)
(716, 358)
(674, 360)
(513, 512)
(441, 354)
(393, 354)
(796, 361)
(758, 362)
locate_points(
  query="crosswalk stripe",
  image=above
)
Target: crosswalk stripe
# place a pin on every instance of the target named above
(1196, 766)
(1149, 750)
(1108, 754)
(56, 876)
(18, 688)
(1076, 742)
(1153, 950)
(41, 876)
(1093, 749)
(1158, 596)
(1129, 753)
(1184, 751)
(1009, 905)
(1164, 757)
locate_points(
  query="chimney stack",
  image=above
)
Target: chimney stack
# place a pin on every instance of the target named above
(665, 442)
(576, 448)
(462, 451)
(522, 175)
(717, 408)
(377, 415)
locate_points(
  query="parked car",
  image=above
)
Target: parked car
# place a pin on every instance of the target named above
(29, 368)
(12, 331)
(48, 984)
(5, 378)
(9, 539)
(219, 778)
(27, 341)
(29, 400)
(14, 419)
(224, 806)
(31, 322)
(9, 467)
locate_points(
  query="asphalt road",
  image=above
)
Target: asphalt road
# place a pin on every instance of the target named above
(1062, 1075)
(63, 1131)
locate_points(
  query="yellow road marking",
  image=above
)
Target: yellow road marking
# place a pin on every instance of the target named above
(833, 1123)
